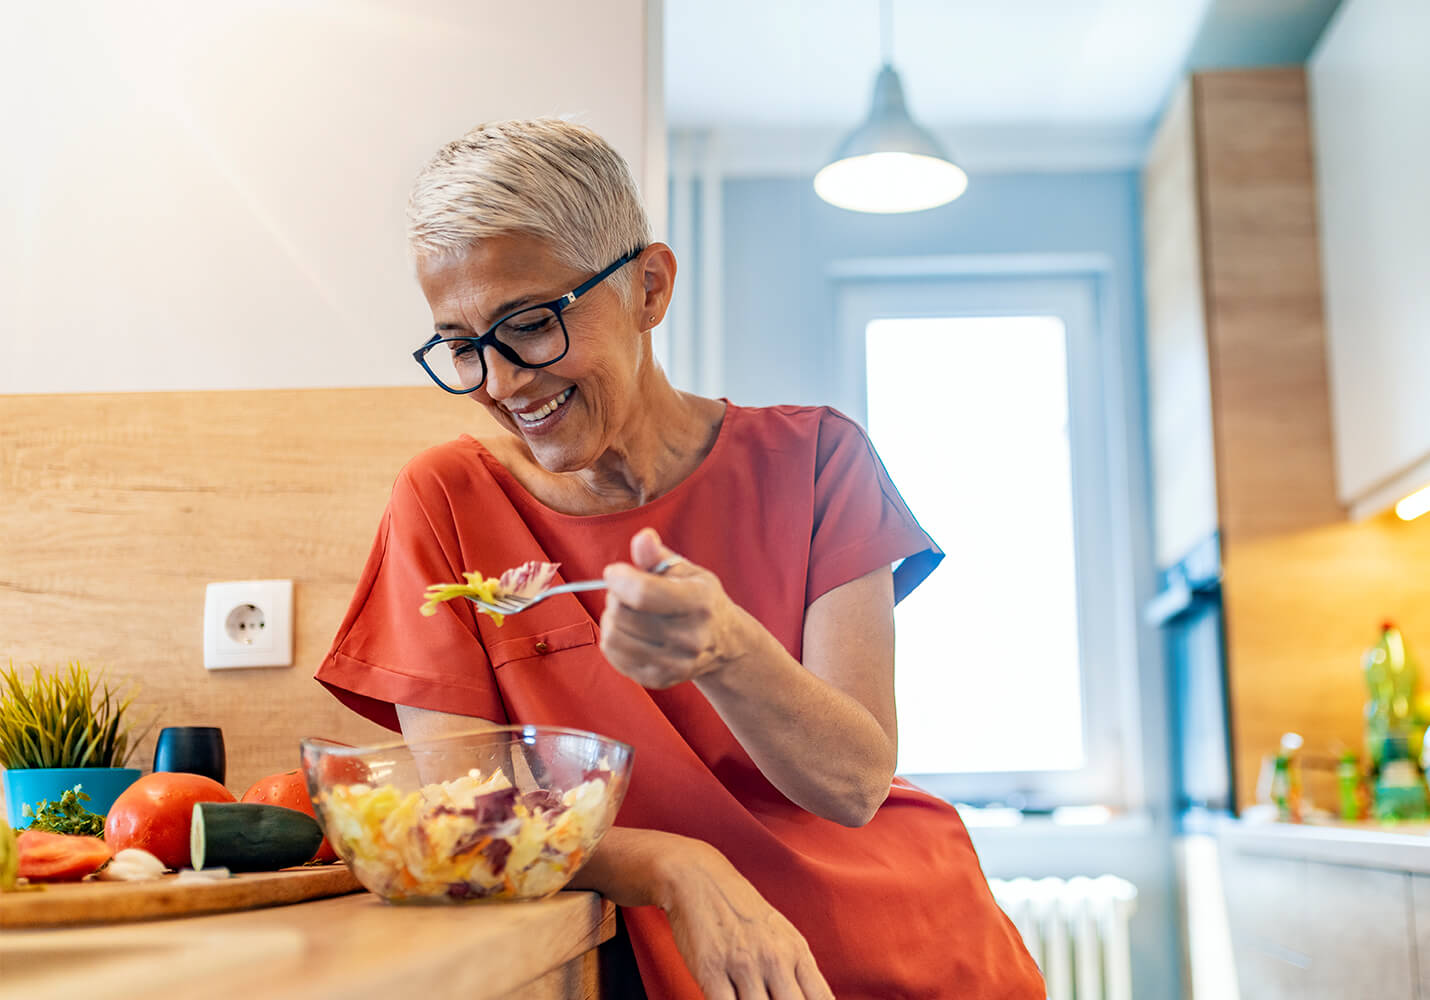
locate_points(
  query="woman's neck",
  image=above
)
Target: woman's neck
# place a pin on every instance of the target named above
(665, 442)
(657, 449)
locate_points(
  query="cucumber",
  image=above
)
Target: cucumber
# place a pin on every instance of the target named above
(251, 836)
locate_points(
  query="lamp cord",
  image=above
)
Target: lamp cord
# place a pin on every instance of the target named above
(886, 30)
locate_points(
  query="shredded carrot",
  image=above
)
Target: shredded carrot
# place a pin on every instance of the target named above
(475, 847)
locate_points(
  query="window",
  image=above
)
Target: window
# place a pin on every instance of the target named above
(986, 398)
(997, 495)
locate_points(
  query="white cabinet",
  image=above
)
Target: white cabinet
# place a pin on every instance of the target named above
(1420, 909)
(1369, 81)
(1178, 375)
(1306, 930)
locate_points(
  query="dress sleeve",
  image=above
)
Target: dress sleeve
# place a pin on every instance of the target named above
(387, 653)
(860, 520)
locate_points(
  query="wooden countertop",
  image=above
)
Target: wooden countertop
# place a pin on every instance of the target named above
(349, 947)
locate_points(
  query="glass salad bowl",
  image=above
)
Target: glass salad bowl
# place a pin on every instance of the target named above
(496, 814)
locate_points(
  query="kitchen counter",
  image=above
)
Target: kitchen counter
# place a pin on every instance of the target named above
(349, 947)
(1403, 847)
(1308, 911)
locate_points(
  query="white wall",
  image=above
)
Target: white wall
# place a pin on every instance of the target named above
(211, 195)
(1370, 105)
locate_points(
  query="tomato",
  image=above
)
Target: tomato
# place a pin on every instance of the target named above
(59, 857)
(339, 770)
(289, 790)
(153, 814)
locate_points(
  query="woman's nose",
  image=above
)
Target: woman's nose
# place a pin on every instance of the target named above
(504, 379)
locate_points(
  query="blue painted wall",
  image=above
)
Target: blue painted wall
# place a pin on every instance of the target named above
(780, 239)
(778, 329)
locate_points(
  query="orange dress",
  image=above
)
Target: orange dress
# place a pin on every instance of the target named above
(790, 503)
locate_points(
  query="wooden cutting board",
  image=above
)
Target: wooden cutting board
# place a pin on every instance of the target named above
(94, 902)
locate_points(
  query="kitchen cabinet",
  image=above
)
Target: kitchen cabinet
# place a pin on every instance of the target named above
(1309, 929)
(1239, 408)
(1420, 907)
(1237, 387)
(1369, 88)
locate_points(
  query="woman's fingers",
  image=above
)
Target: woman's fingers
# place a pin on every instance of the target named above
(723, 990)
(811, 981)
(663, 629)
(751, 988)
(679, 591)
(733, 941)
(676, 632)
(785, 988)
(647, 549)
(648, 665)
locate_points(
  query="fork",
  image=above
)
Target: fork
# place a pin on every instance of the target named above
(511, 604)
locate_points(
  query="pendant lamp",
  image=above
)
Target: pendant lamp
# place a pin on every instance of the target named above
(889, 164)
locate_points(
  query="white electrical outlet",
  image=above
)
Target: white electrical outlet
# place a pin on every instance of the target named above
(248, 623)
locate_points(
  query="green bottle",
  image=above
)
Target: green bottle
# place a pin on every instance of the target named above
(1391, 679)
(1399, 787)
(1348, 782)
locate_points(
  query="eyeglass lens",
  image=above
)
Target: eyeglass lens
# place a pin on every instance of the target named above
(535, 335)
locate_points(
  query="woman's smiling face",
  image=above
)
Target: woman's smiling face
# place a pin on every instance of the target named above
(570, 412)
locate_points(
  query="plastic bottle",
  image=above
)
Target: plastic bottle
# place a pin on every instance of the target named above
(1286, 783)
(1348, 782)
(1399, 787)
(1391, 677)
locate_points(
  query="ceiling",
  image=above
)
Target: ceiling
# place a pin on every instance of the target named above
(1026, 79)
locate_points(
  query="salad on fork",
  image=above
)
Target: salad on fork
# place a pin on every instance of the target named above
(524, 581)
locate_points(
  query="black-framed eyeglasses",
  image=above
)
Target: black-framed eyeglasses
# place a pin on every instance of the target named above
(531, 337)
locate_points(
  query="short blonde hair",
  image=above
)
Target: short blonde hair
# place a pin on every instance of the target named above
(550, 178)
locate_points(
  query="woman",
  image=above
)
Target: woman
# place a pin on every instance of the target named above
(763, 849)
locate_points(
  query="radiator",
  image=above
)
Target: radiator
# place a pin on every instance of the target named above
(1076, 930)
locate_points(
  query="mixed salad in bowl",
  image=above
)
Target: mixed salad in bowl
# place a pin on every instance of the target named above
(518, 825)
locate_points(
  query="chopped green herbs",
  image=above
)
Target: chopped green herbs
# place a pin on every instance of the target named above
(66, 815)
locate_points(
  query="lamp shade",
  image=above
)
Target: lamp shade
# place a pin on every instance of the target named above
(889, 163)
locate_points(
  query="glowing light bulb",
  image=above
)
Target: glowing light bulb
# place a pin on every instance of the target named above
(1414, 505)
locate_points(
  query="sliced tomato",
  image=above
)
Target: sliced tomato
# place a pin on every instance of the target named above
(59, 857)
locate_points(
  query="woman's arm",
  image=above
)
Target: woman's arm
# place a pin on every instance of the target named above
(823, 731)
(734, 943)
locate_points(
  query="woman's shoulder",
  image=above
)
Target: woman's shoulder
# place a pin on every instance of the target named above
(821, 429)
(464, 460)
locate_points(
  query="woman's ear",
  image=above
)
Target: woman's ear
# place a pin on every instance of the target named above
(658, 268)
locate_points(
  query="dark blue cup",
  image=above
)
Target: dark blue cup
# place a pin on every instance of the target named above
(192, 749)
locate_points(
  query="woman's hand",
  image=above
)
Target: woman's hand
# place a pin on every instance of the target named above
(838, 756)
(736, 945)
(664, 630)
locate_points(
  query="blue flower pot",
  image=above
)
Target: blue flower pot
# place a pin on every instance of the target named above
(33, 785)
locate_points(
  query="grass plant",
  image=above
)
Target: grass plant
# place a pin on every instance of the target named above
(62, 719)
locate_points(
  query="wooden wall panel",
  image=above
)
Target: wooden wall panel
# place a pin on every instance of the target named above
(116, 510)
(1301, 609)
(1265, 331)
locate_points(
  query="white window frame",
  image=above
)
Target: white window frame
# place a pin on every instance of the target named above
(1074, 290)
